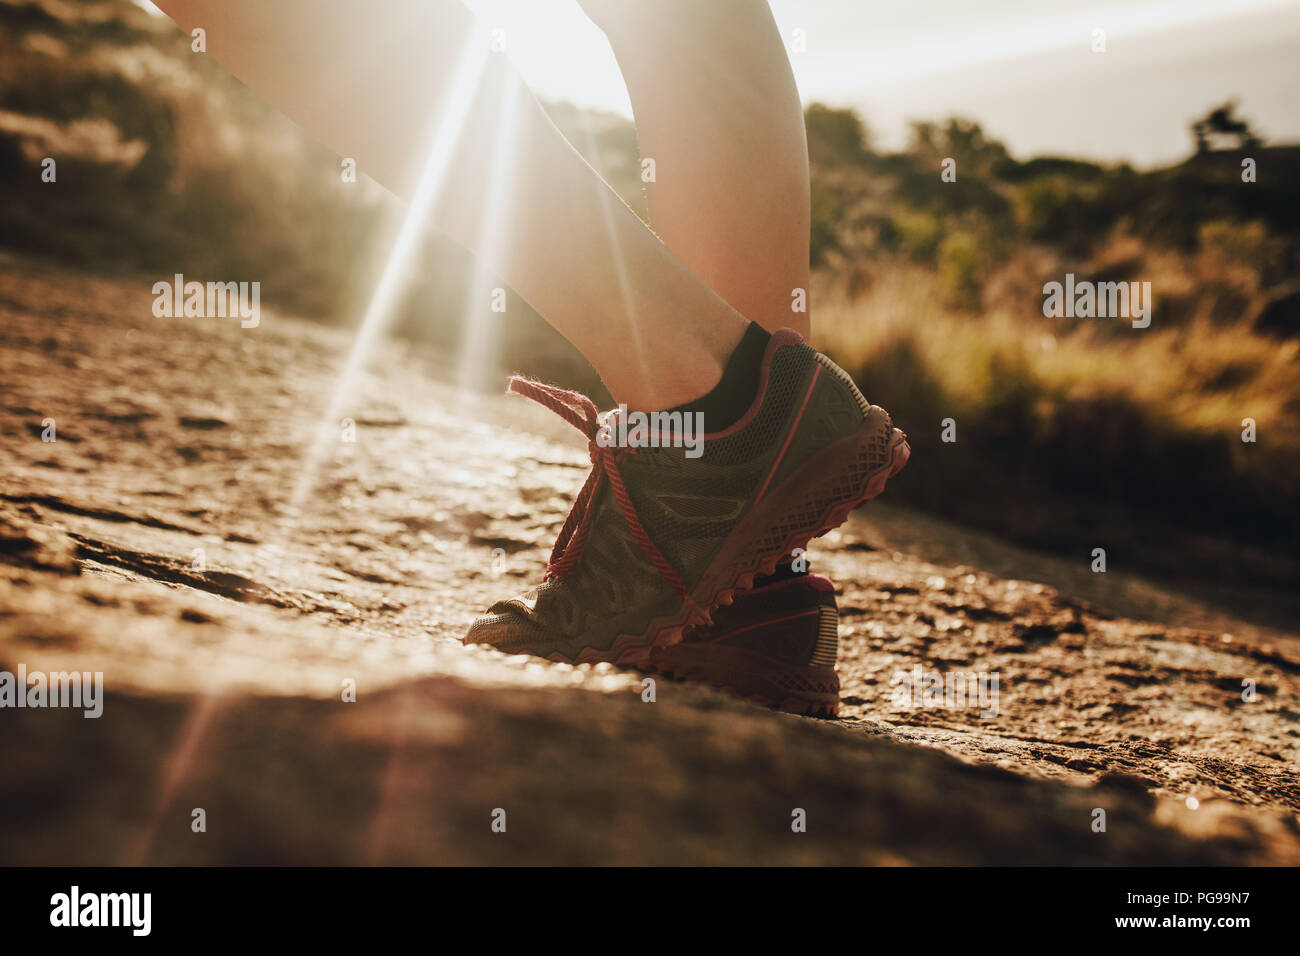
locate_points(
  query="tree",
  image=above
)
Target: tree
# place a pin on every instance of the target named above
(1222, 124)
(835, 136)
(959, 139)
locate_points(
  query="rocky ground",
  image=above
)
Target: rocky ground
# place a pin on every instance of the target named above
(205, 531)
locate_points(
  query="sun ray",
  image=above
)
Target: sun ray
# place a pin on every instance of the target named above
(483, 325)
(378, 314)
(175, 767)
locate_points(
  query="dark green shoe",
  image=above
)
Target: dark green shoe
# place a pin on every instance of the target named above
(776, 645)
(656, 539)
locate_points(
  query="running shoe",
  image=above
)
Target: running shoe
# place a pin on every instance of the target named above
(656, 538)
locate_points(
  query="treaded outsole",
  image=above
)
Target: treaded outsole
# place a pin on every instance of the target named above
(826, 708)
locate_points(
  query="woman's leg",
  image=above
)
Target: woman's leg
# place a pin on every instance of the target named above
(386, 82)
(717, 110)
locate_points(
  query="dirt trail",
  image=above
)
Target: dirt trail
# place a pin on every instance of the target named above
(168, 539)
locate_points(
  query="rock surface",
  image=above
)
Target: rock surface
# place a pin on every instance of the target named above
(232, 539)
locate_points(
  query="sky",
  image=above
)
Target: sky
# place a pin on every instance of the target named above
(1024, 69)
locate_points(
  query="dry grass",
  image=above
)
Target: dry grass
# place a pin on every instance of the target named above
(1148, 418)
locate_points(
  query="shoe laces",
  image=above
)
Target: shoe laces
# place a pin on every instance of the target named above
(580, 412)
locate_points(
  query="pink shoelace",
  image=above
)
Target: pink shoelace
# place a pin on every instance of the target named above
(580, 412)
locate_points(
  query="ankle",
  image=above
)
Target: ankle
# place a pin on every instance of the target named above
(656, 379)
(730, 398)
(671, 381)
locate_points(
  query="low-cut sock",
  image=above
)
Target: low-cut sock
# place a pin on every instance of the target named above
(727, 401)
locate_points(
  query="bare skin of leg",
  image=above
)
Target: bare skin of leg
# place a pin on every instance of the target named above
(373, 80)
(717, 109)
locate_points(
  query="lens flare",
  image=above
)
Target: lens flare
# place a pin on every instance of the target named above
(446, 136)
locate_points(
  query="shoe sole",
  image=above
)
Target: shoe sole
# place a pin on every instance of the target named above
(795, 689)
(815, 499)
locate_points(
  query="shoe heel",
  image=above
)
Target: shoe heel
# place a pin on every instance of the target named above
(812, 501)
(846, 380)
